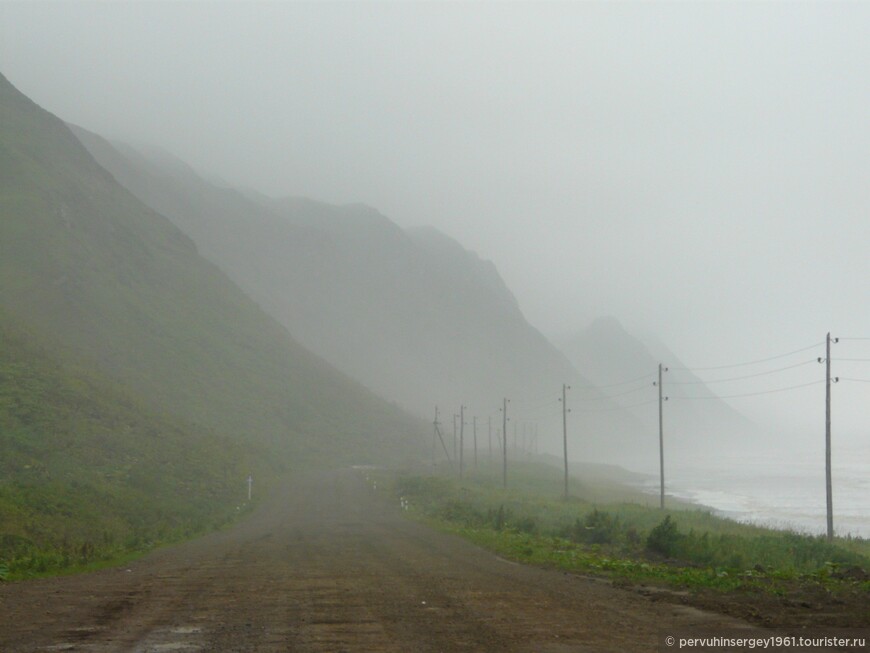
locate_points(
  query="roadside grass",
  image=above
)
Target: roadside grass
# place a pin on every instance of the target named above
(89, 476)
(612, 530)
(26, 558)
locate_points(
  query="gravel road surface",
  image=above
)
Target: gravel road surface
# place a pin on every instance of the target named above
(327, 564)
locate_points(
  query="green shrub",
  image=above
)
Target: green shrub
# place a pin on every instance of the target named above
(598, 527)
(526, 524)
(664, 538)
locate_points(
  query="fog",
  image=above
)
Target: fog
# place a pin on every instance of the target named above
(698, 171)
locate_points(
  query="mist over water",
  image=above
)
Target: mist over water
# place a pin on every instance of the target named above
(785, 490)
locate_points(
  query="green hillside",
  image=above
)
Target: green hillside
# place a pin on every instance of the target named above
(87, 472)
(138, 385)
(87, 266)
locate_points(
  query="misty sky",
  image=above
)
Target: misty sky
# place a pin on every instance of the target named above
(700, 171)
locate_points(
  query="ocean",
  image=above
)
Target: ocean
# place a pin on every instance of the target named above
(786, 492)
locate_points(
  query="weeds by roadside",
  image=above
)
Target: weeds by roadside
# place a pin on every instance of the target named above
(688, 548)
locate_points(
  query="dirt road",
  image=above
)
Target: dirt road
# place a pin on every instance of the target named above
(331, 566)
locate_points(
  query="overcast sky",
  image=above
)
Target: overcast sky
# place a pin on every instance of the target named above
(701, 171)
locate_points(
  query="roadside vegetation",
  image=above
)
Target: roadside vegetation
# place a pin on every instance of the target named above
(627, 539)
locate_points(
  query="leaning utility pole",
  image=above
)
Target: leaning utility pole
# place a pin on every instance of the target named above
(437, 424)
(661, 441)
(504, 447)
(565, 434)
(828, 487)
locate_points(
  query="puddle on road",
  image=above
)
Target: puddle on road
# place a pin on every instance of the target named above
(174, 638)
(186, 630)
(161, 640)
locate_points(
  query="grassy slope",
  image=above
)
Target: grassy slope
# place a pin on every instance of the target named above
(87, 266)
(137, 384)
(87, 472)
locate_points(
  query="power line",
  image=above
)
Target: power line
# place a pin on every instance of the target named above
(547, 397)
(761, 360)
(530, 415)
(851, 360)
(613, 385)
(543, 404)
(612, 408)
(747, 376)
(854, 380)
(753, 394)
(621, 394)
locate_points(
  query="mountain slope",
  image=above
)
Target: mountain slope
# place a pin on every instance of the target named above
(87, 471)
(627, 368)
(90, 269)
(411, 314)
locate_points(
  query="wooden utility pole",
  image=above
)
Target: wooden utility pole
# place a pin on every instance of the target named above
(475, 442)
(828, 487)
(661, 441)
(454, 434)
(435, 440)
(489, 437)
(437, 425)
(565, 433)
(461, 438)
(504, 447)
